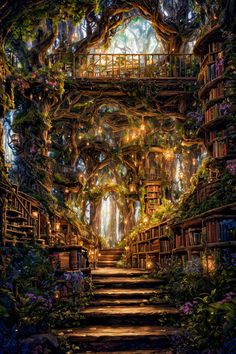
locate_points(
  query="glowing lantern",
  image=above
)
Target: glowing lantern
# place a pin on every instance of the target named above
(35, 214)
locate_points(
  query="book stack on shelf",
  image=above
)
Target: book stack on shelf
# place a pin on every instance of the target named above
(219, 230)
(216, 100)
(194, 236)
(212, 233)
(152, 196)
(165, 246)
(153, 243)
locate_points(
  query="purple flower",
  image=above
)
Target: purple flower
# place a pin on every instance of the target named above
(187, 307)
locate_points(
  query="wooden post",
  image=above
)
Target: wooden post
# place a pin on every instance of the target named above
(139, 66)
(112, 65)
(119, 67)
(73, 66)
(93, 62)
(145, 65)
(100, 65)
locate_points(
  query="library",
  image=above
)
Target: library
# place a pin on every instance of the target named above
(118, 176)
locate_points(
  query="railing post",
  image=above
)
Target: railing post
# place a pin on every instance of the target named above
(74, 67)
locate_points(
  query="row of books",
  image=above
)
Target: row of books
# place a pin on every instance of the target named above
(151, 188)
(214, 47)
(148, 247)
(224, 230)
(194, 237)
(216, 92)
(163, 230)
(217, 135)
(213, 71)
(213, 112)
(188, 239)
(153, 195)
(219, 149)
(212, 57)
(165, 246)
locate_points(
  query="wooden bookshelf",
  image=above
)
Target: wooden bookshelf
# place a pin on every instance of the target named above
(153, 245)
(215, 229)
(152, 196)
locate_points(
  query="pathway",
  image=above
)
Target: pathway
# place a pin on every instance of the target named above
(121, 319)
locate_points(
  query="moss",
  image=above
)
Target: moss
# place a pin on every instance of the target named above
(32, 117)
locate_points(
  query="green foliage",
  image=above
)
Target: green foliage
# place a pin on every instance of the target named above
(207, 303)
(27, 22)
(164, 211)
(65, 315)
(33, 118)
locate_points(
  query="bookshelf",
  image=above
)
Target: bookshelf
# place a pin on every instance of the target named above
(152, 245)
(212, 233)
(152, 196)
(218, 130)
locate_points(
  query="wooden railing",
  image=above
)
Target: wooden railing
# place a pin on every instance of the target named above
(125, 66)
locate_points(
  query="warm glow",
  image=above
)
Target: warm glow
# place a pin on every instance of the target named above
(146, 219)
(57, 226)
(35, 214)
(181, 175)
(169, 154)
(142, 127)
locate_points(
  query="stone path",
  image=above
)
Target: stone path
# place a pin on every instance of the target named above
(121, 319)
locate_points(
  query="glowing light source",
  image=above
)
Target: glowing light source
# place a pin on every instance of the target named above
(146, 219)
(57, 295)
(181, 175)
(57, 226)
(169, 154)
(35, 214)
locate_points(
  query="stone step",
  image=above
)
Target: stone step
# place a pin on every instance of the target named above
(129, 315)
(123, 293)
(107, 263)
(128, 282)
(112, 250)
(127, 302)
(117, 272)
(111, 253)
(142, 351)
(109, 258)
(126, 339)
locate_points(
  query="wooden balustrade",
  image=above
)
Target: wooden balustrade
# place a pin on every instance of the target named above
(126, 66)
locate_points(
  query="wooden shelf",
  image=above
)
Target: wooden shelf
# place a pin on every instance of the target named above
(16, 232)
(211, 84)
(213, 101)
(221, 244)
(201, 45)
(216, 122)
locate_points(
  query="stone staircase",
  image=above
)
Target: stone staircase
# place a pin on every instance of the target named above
(110, 257)
(121, 319)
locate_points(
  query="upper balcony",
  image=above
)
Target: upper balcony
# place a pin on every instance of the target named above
(127, 66)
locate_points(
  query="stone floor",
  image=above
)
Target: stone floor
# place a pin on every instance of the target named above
(121, 319)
